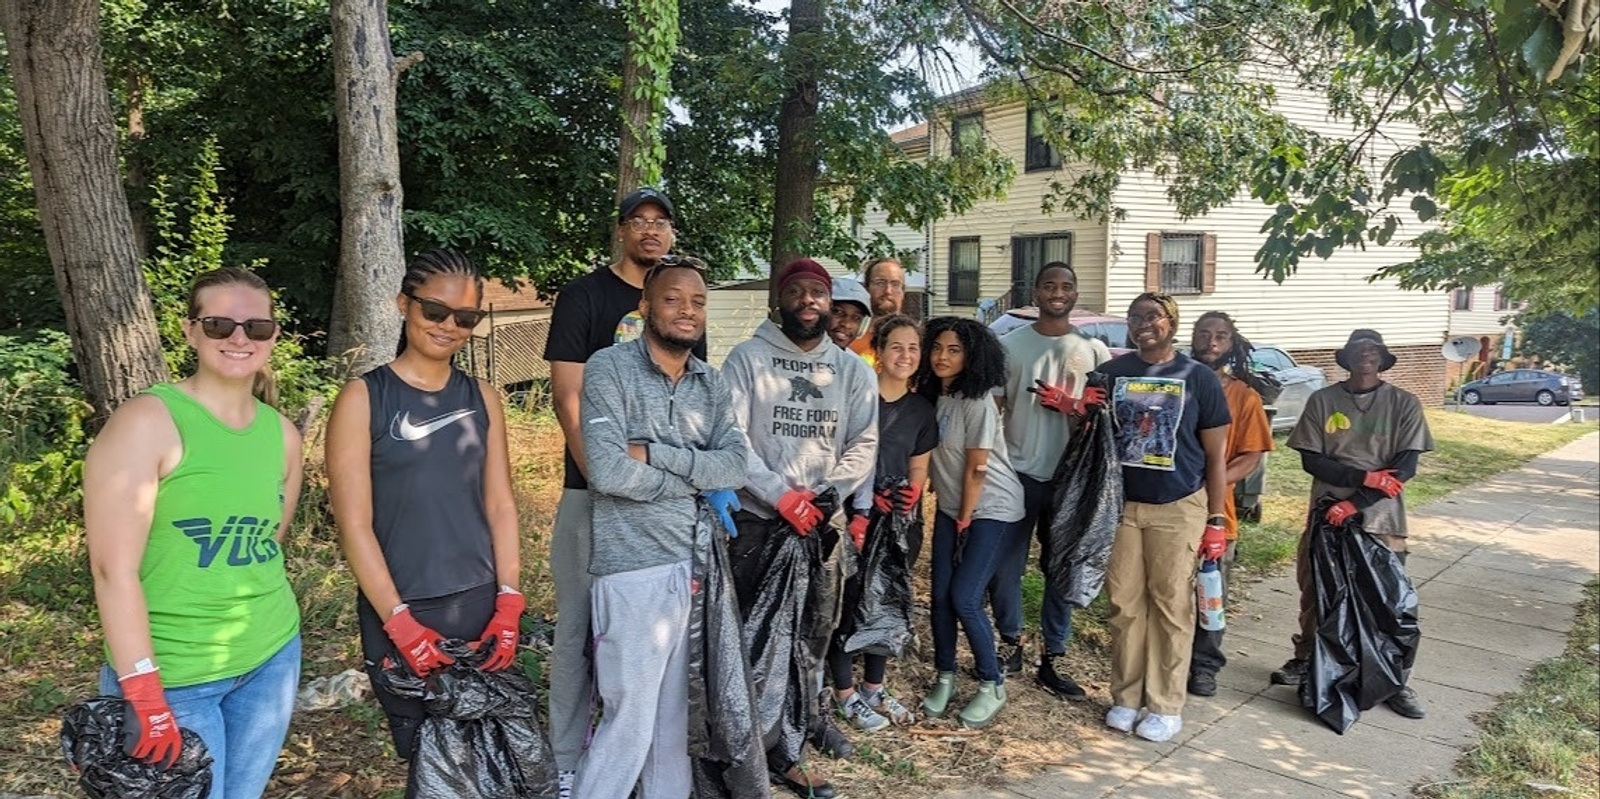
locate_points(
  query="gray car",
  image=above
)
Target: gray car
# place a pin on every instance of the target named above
(1298, 383)
(1523, 385)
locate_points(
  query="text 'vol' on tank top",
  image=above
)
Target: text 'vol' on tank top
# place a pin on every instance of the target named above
(428, 450)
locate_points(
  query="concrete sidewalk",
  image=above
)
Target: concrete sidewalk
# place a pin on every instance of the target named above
(1498, 566)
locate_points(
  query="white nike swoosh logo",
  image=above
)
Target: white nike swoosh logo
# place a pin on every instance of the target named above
(403, 430)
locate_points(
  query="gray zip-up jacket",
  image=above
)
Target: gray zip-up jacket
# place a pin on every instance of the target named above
(811, 417)
(644, 512)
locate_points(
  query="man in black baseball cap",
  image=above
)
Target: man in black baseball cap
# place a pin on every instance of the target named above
(639, 197)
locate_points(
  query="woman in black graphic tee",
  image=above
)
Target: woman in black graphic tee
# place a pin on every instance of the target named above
(421, 488)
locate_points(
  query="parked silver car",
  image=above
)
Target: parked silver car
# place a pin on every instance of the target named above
(1298, 382)
(1523, 385)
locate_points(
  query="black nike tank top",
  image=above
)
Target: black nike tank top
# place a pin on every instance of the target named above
(428, 450)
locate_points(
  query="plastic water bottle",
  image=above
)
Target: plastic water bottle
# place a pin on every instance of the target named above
(1208, 596)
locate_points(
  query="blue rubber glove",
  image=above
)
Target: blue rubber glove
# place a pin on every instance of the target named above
(724, 502)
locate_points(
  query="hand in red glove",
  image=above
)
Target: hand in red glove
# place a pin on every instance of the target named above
(1055, 398)
(858, 532)
(1214, 543)
(149, 730)
(884, 500)
(500, 636)
(417, 644)
(795, 507)
(962, 525)
(1093, 399)
(1341, 513)
(1385, 481)
(907, 499)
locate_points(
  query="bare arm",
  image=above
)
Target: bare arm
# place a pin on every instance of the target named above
(121, 473)
(918, 473)
(977, 465)
(293, 473)
(499, 502)
(1241, 466)
(1214, 440)
(566, 391)
(348, 454)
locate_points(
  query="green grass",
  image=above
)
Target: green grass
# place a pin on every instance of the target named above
(1548, 731)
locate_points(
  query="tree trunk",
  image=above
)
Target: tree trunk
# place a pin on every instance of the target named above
(794, 196)
(365, 328)
(646, 66)
(71, 139)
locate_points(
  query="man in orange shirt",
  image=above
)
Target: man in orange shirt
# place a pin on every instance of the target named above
(1217, 344)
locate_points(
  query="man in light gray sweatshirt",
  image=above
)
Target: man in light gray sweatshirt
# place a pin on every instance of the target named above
(658, 430)
(810, 411)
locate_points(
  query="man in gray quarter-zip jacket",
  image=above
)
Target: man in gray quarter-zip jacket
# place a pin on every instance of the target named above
(810, 411)
(658, 429)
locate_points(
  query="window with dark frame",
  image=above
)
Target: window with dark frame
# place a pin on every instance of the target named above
(1500, 302)
(1181, 262)
(965, 131)
(1029, 254)
(1461, 299)
(1040, 154)
(964, 259)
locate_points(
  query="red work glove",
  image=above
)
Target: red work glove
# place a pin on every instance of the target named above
(500, 636)
(149, 730)
(962, 525)
(417, 644)
(1093, 399)
(1341, 513)
(906, 499)
(858, 532)
(1214, 543)
(1385, 481)
(884, 501)
(795, 507)
(1055, 398)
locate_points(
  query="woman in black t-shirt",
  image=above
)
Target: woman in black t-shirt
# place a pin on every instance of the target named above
(907, 434)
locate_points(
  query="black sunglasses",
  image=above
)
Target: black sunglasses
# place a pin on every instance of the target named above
(220, 327)
(435, 311)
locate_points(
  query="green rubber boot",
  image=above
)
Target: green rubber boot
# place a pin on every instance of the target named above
(984, 707)
(937, 703)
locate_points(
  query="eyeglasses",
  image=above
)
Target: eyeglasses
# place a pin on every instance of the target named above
(640, 224)
(670, 261)
(885, 284)
(1136, 320)
(220, 327)
(435, 311)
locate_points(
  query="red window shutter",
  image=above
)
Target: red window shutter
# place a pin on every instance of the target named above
(1208, 263)
(1152, 262)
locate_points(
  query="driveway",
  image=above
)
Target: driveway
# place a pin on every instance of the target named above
(1520, 412)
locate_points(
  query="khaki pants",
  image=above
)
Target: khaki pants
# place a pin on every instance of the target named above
(1150, 583)
(1308, 587)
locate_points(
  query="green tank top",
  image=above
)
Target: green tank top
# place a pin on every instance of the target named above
(219, 601)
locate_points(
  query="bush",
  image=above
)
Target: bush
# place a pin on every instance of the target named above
(42, 409)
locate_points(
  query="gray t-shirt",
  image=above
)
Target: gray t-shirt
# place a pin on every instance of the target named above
(974, 424)
(1364, 431)
(1036, 435)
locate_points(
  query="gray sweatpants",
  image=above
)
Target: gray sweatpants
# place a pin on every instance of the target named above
(641, 657)
(571, 676)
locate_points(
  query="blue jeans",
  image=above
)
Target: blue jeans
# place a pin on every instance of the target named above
(243, 720)
(958, 591)
(1005, 591)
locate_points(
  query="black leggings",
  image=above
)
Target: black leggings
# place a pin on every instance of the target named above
(873, 668)
(461, 615)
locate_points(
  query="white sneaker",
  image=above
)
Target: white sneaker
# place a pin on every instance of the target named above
(1121, 718)
(565, 780)
(1159, 728)
(857, 712)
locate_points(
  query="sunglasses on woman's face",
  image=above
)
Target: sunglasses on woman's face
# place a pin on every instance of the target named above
(220, 327)
(435, 312)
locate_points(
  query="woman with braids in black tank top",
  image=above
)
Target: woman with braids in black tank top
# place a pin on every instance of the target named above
(420, 482)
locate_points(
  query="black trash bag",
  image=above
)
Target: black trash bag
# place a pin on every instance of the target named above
(777, 629)
(1367, 633)
(877, 599)
(481, 739)
(1087, 488)
(723, 737)
(91, 739)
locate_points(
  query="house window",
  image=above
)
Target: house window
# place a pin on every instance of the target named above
(1461, 299)
(1041, 153)
(1029, 254)
(1500, 302)
(964, 257)
(1181, 263)
(966, 132)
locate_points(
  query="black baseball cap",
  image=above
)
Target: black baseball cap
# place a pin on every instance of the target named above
(641, 196)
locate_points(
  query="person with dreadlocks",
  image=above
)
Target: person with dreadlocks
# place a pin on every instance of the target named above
(1172, 431)
(420, 481)
(1217, 344)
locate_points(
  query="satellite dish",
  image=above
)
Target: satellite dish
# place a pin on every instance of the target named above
(1460, 349)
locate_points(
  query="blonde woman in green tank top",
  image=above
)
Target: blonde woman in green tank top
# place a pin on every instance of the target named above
(187, 494)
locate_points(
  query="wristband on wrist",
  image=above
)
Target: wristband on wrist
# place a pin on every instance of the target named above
(397, 608)
(1217, 520)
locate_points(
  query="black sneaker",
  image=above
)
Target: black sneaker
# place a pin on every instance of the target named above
(1010, 655)
(1407, 704)
(1057, 681)
(829, 741)
(1293, 672)
(1203, 683)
